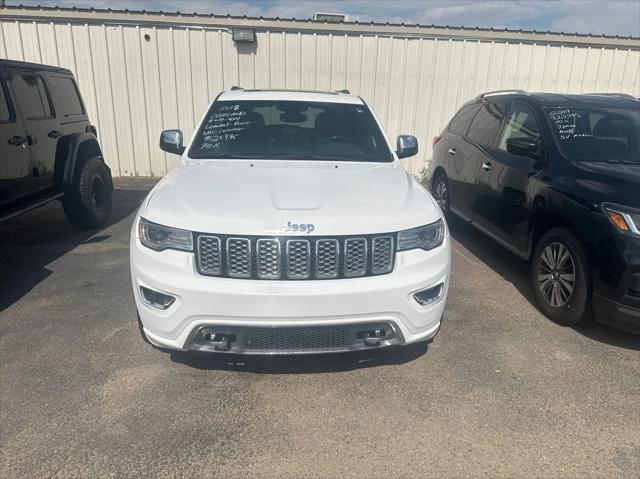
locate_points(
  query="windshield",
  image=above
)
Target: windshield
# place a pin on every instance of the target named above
(598, 134)
(290, 130)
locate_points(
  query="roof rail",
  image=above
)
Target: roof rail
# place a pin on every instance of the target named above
(619, 95)
(345, 91)
(501, 92)
(236, 87)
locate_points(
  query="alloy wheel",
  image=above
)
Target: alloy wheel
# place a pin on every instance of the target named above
(441, 194)
(556, 274)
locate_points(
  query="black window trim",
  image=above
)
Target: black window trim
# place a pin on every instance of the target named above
(12, 112)
(47, 91)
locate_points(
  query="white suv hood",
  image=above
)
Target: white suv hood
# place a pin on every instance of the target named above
(261, 197)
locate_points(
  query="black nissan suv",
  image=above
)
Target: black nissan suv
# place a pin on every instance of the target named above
(48, 148)
(556, 180)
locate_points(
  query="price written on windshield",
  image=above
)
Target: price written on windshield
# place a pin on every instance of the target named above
(224, 125)
(565, 122)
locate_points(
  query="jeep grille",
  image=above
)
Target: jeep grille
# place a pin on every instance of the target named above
(294, 258)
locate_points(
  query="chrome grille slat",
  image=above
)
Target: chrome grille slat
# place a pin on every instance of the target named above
(355, 257)
(239, 257)
(327, 258)
(298, 259)
(382, 254)
(294, 258)
(268, 258)
(209, 255)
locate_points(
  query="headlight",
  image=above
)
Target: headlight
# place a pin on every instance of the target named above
(425, 237)
(626, 220)
(160, 237)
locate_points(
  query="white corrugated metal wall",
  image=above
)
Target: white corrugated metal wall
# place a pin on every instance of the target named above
(137, 79)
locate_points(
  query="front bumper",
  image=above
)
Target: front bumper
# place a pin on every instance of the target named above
(616, 314)
(616, 285)
(351, 307)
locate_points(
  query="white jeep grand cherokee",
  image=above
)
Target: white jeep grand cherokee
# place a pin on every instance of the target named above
(289, 226)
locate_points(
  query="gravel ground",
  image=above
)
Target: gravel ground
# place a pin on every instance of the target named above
(501, 392)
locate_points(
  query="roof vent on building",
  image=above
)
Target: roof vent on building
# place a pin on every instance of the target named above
(331, 17)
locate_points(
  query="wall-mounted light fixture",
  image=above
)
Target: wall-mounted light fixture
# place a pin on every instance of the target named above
(244, 35)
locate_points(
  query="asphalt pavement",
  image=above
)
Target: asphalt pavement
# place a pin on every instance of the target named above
(501, 392)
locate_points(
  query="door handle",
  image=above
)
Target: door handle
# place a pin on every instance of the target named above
(17, 140)
(54, 134)
(452, 151)
(487, 166)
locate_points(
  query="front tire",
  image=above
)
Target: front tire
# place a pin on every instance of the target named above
(87, 202)
(560, 277)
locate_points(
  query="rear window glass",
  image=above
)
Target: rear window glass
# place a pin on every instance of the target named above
(32, 96)
(292, 130)
(5, 113)
(459, 124)
(484, 127)
(66, 94)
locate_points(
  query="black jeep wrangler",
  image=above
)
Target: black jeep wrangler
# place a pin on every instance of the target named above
(48, 148)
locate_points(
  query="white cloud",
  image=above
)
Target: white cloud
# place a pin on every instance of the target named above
(613, 17)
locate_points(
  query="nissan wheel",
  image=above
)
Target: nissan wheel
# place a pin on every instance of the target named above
(560, 277)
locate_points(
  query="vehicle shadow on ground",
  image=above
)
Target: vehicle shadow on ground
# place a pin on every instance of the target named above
(30, 242)
(516, 271)
(301, 364)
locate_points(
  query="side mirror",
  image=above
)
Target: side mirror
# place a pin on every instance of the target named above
(524, 146)
(171, 141)
(407, 145)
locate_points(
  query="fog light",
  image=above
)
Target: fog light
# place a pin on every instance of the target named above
(429, 295)
(156, 299)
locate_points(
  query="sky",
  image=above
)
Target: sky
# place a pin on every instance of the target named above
(609, 17)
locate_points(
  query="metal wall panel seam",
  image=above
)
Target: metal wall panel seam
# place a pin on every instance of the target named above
(155, 36)
(93, 77)
(636, 76)
(445, 79)
(55, 43)
(144, 102)
(461, 75)
(533, 52)
(573, 57)
(128, 100)
(20, 40)
(3, 48)
(624, 69)
(418, 80)
(113, 108)
(35, 27)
